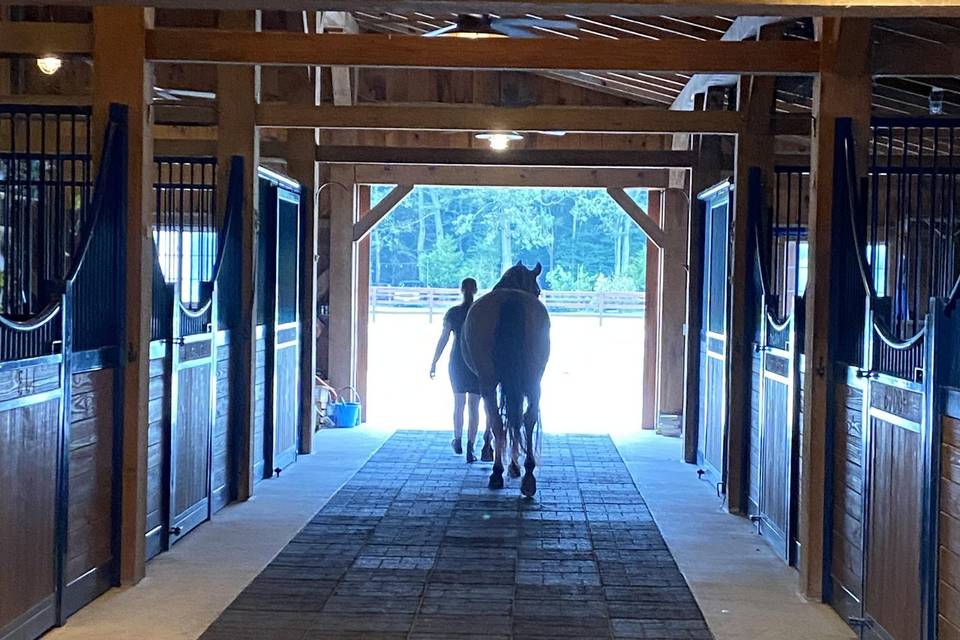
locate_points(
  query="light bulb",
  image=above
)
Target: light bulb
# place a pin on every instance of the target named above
(49, 65)
(499, 141)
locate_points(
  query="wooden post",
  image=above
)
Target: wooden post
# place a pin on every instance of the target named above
(301, 151)
(122, 75)
(343, 277)
(238, 89)
(651, 319)
(843, 88)
(673, 299)
(708, 172)
(755, 148)
(363, 300)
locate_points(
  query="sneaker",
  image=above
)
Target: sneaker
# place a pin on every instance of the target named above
(470, 457)
(457, 446)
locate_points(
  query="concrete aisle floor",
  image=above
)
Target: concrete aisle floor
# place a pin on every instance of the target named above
(745, 592)
(187, 588)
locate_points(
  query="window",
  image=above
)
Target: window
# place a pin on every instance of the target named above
(877, 255)
(191, 253)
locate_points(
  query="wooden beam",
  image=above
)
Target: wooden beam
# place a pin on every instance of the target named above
(842, 89)
(494, 176)
(649, 227)
(334, 154)
(798, 8)
(672, 308)
(343, 277)
(238, 90)
(122, 75)
(588, 119)
(341, 77)
(672, 55)
(39, 38)
(372, 218)
(651, 319)
(755, 148)
(919, 58)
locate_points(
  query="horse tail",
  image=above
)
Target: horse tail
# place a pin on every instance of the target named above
(510, 365)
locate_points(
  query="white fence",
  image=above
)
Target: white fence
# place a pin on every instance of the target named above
(580, 303)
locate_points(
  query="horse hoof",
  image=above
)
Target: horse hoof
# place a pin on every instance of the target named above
(529, 485)
(514, 470)
(486, 454)
(496, 481)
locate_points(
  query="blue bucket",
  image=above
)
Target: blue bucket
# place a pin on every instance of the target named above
(345, 413)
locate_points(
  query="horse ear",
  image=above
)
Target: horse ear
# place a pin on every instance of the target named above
(537, 270)
(519, 263)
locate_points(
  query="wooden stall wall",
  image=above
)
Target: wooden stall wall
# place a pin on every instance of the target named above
(29, 444)
(223, 449)
(948, 618)
(753, 491)
(60, 370)
(157, 448)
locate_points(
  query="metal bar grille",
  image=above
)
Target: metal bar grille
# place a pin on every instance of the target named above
(912, 232)
(45, 191)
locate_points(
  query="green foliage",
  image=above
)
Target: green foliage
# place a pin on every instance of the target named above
(582, 238)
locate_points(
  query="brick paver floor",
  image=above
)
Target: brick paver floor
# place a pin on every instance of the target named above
(415, 547)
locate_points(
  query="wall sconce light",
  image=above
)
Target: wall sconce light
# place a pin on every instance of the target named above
(49, 64)
(499, 141)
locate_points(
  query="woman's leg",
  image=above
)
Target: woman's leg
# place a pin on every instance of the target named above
(459, 400)
(473, 416)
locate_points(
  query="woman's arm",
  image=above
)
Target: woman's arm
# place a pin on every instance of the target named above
(441, 345)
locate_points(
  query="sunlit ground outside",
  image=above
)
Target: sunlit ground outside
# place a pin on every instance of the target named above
(593, 382)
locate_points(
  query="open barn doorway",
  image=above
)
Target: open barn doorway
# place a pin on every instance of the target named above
(594, 283)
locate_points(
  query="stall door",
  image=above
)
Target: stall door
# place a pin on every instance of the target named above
(711, 454)
(893, 510)
(780, 431)
(191, 432)
(284, 333)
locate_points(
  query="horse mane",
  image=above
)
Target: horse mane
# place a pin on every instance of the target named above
(511, 278)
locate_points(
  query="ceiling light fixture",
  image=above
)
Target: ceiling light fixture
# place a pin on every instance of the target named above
(49, 64)
(499, 141)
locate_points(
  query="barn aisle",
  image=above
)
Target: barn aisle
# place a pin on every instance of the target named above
(415, 546)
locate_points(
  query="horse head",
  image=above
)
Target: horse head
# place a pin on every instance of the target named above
(519, 277)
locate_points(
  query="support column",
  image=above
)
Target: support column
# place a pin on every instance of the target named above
(708, 172)
(343, 277)
(843, 89)
(673, 298)
(363, 300)
(755, 148)
(651, 319)
(122, 75)
(238, 91)
(302, 165)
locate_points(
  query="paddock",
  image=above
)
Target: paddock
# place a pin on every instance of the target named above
(185, 217)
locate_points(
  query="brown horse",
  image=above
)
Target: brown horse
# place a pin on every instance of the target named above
(506, 340)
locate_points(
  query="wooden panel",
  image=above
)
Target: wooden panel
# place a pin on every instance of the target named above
(25, 381)
(894, 521)
(158, 428)
(846, 563)
(713, 451)
(754, 488)
(221, 459)
(192, 439)
(28, 475)
(286, 409)
(949, 552)
(91, 472)
(774, 501)
(259, 409)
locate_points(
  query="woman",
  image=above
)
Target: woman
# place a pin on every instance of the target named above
(466, 389)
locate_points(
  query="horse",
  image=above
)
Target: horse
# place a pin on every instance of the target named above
(506, 341)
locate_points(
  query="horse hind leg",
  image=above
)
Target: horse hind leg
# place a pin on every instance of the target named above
(531, 418)
(514, 468)
(495, 423)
